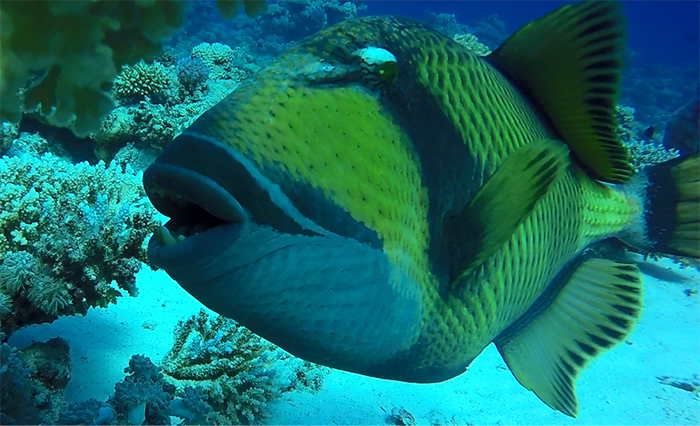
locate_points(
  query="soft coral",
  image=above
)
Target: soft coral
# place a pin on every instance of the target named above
(142, 396)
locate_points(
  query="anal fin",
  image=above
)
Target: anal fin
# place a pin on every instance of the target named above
(502, 204)
(589, 308)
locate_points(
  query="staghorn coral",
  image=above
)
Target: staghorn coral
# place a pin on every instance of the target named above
(237, 370)
(68, 232)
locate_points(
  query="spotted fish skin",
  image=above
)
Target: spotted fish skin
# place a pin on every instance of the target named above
(386, 167)
(355, 253)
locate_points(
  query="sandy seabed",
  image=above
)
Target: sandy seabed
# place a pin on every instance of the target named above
(619, 387)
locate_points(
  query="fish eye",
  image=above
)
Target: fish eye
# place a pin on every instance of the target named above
(379, 66)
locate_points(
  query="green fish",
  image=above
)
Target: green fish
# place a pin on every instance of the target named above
(381, 200)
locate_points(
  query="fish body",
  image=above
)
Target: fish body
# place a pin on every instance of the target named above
(381, 200)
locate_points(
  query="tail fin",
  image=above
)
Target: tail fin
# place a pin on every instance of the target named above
(671, 193)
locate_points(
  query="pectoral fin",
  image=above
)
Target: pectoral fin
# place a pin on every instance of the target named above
(503, 203)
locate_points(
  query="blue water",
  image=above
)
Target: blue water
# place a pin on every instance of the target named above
(661, 32)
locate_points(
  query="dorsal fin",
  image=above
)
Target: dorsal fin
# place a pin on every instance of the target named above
(569, 63)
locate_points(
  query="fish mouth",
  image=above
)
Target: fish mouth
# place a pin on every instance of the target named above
(194, 203)
(205, 216)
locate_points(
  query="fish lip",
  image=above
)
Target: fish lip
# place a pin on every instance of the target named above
(201, 210)
(181, 193)
(196, 254)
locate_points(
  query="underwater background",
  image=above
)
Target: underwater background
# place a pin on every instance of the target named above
(92, 334)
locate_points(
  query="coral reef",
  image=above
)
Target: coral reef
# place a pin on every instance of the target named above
(33, 381)
(138, 82)
(491, 31)
(656, 91)
(8, 133)
(644, 151)
(471, 42)
(644, 154)
(627, 127)
(79, 46)
(487, 34)
(271, 31)
(446, 23)
(237, 370)
(77, 49)
(295, 19)
(68, 232)
(192, 74)
(216, 373)
(683, 127)
(143, 396)
(152, 126)
(90, 412)
(157, 102)
(225, 62)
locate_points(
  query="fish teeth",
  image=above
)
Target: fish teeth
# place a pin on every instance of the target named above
(164, 236)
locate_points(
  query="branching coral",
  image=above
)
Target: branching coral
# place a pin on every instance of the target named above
(135, 83)
(67, 232)
(238, 371)
(644, 154)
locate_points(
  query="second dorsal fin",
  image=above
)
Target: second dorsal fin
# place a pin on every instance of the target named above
(569, 63)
